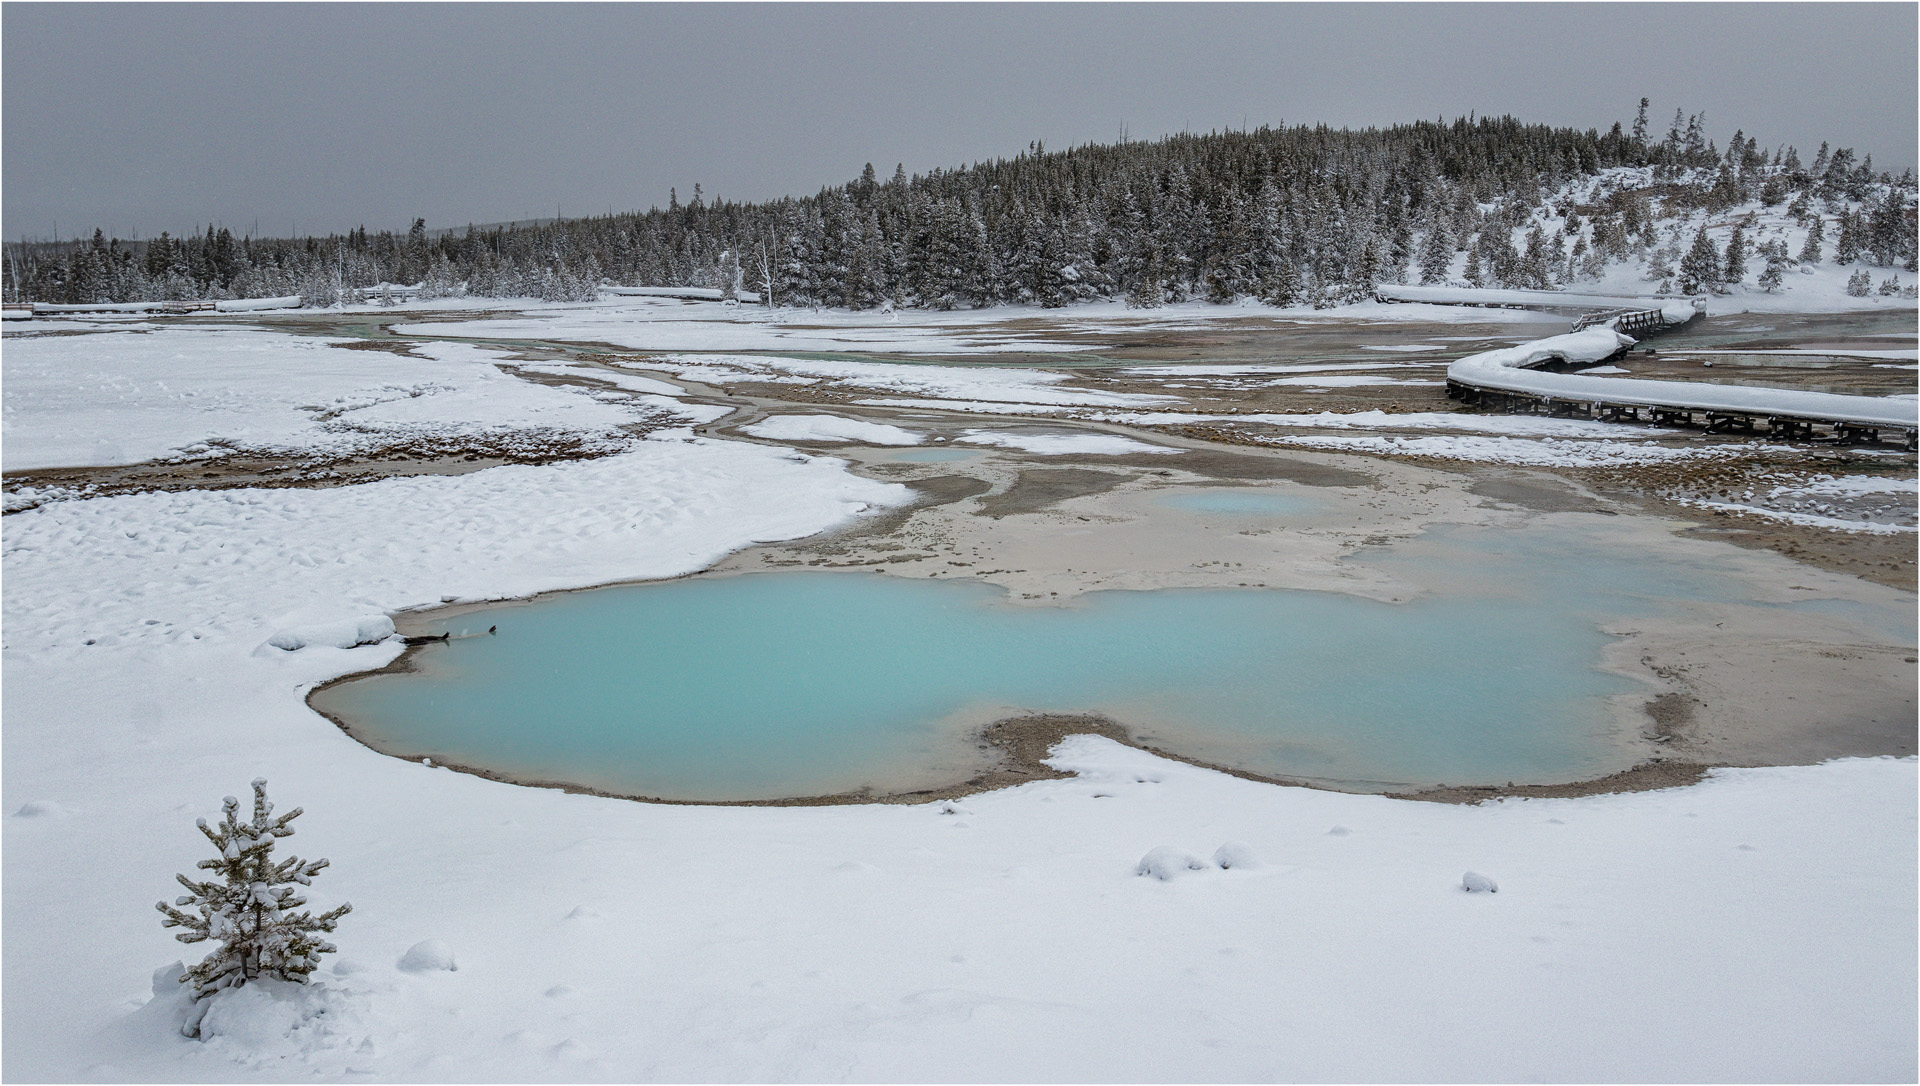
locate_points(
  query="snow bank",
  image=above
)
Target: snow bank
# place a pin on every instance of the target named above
(1533, 452)
(1512, 425)
(178, 568)
(830, 428)
(1062, 444)
(255, 305)
(369, 630)
(97, 307)
(699, 294)
(1506, 369)
(126, 397)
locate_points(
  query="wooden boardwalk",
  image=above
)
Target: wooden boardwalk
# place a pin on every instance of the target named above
(1713, 409)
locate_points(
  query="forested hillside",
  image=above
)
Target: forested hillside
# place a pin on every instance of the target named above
(1290, 216)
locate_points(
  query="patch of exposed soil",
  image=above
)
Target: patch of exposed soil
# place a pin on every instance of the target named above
(431, 456)
(1037, 488)
(1641, 778)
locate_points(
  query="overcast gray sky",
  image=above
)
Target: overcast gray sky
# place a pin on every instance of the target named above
(160, 116)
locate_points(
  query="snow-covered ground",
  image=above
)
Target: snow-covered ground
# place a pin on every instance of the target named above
(652, 324)
(124, 397)
(1062, 444)
(1875, 505)
(831, 428)
(1531, 452)
(1806, 287)
(1757, 926)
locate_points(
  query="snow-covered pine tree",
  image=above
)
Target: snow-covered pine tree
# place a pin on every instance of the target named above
(1436, 253)
(1284, 287)
(1859, 284)
(1816, 233)
(1889, 231)
(1149, 292)
(1475, 277)
(1700, 268)
(248, 907)
(1737, 255)
(1847, 249)
(1534, 262)
(1774, 275)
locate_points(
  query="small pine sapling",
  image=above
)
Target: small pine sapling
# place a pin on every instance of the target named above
(249, 907)
(1774, 275)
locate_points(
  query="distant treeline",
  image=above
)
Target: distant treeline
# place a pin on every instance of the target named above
(1300, 215)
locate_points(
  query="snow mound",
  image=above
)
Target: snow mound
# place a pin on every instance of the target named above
(340, 635)
(830, 428)
(1473, 882)
(1167, 863)
(1063, 444)
(262, 1021)
(1233, 854)
(41, 808)
(272, 1020)
(428, 955)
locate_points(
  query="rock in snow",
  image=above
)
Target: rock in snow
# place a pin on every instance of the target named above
(428, 955)
(340, 635)
(1473, 882)
(1234, 854)
(1165, 863)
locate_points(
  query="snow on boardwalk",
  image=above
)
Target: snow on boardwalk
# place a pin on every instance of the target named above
(1508, 369)
(1548, 299)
